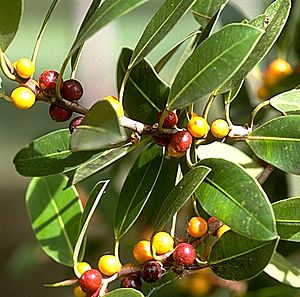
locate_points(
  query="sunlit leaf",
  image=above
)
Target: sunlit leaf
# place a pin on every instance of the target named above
(124, 293)
(137, 188)
(11, 13)
(237, 199)
(49, 154)
(158, 27)
(55, 216)
(287, 214)
(237, 258)
(226, 49)
(142, 101)
(288, 102)
(100, 129)
(284, 271)
(180, 194)
(278, 143)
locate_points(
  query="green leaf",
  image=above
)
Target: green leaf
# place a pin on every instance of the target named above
(137, 188)
(179, 195)
(109, 10)
(229, 153)
(288, 102)
(218, 57)
(49, 154)
(204, 10)
(284, 271)
(161, 23)
(287, 214)
(92, 203)
(236, 257)
(278, 143)
(125, 293)
(55, 216)
(142, 101)
(237, 199)
(232, 93)
(9, 21)
(93, 7)
(100, 129)
(97, 163)
(277, 14)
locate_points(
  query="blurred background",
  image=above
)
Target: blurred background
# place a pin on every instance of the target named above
(24, 268)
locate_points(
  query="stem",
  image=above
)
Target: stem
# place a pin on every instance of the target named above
(5, 69)
(42, 30)
(227, 114)
(122, 88)
(5, 97)
(174, 219)
(76, 62)
(117, 244)
(255, 112)
(194, 202)
(208, 105)
(265, 174)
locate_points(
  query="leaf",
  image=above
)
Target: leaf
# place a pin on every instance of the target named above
(218, 57)
(137, 188)
(93, 7)
(288, 102)
(97, 163)
(179, 195)
(277, 14)
(229, 153)
(9, 22)
(287, 214)
(124, 293)
(282, 270)
(49, 154)
(100, 129)
(278, 142)
(232, 93)
(105, 13)
(55, 216)
(204, 10)
(145, 94)
(92, 203)
(237, 199)
(237, 258)
(161, 23)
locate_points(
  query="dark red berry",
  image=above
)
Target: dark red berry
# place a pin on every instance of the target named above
(131, 281)
(170, 120)
(90, 281)
(162, 140)
(47, 82)
(59, 114)
(72, 90)
(213, 225)
(181, 141)
(151, 272)
(184, 254)
(75, 123)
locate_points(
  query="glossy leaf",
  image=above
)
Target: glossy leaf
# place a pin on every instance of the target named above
(237, 258)
(49, 154)
(226, 49)
(55, 216)
(229, 153)
(97, 163)
(288, 102)
(204, 10)
(142, 101)
(124, 293)
(9, 21)
(231, 94)
(92, 203)
(278, 143)
(277, 14)
(100, 129)
(284, 271)
(161, 23)
(179, 195)
(237, 199)
(287, 214)
(108, 11)
(137, 188)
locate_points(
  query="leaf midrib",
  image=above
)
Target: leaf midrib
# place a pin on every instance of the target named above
(272, 138)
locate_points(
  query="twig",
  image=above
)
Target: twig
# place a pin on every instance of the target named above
(265, 174)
